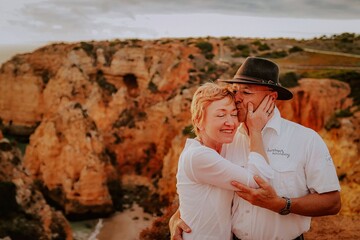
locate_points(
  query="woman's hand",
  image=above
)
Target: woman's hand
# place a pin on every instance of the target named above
(177, 226)
(255, 121)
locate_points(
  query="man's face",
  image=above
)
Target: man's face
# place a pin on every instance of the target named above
(246, 93)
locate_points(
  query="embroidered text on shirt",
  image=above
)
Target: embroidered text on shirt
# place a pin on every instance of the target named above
(275, 151)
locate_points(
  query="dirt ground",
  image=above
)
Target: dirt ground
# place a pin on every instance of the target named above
(334, 227)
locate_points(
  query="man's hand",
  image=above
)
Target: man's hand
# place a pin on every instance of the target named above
(177, 226)
(311, 205)
(264, 196)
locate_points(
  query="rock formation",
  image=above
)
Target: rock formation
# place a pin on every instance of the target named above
(24, 213)
(68, 156)
(90, 107)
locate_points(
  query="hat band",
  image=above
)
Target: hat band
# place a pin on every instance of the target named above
(257, 80)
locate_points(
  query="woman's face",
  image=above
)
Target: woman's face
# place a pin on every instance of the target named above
(220, 122)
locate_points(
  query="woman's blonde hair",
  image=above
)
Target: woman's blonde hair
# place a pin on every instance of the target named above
(203, 97)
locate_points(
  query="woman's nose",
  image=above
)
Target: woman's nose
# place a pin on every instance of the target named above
(230, 121)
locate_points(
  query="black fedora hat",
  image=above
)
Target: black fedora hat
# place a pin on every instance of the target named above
(260, 71)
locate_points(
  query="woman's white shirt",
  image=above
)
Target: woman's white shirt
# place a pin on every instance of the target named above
(205, 192)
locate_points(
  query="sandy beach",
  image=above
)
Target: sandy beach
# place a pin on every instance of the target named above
(125, 225)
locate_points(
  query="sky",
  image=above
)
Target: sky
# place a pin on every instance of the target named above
(40, 21)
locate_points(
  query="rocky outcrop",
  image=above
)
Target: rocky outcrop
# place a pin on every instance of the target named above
(97, 106)
(67, 155)
(344, 146)
(315, 102)
(24, 213)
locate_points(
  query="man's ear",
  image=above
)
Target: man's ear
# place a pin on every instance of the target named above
(274, 94)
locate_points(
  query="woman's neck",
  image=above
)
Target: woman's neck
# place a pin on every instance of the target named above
(210, 144)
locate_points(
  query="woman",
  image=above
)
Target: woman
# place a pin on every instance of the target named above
(204, 176)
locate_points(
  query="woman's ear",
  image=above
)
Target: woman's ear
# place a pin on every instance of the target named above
(198, 125)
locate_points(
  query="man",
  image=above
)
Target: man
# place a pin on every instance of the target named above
(305, 183)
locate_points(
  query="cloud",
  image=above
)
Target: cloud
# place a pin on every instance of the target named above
(83, 10)
(329, 9)
(103, 19)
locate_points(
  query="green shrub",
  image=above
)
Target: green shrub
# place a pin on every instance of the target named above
(153, 87)
(188, 131)
(333, 122)
(88, 48)
(101, 80)
(236, 55)
(245, 52)
(295, 49)
(8, 202)
(126, 118)
(341, 177)
(210, 68)
(289, 79)
(242, 47)
(275, 54)
(209, 56)
(45, 76)
(256, 43)
(353, 79)
(346, 37)
(343, 113)
(204, 46)
(263, 47)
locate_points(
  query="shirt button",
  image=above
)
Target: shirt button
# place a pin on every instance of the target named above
(247, 211)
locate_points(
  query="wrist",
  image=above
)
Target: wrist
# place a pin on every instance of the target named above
(255, 133)
(278, 204)
(285, 210)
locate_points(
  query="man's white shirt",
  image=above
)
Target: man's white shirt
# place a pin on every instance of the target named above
(302, 164)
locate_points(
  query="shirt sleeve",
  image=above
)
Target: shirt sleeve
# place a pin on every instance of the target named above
(207, 166)
(257, 165)
(320, 169)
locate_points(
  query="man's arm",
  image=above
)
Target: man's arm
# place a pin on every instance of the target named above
(312, 205)
(177, 226)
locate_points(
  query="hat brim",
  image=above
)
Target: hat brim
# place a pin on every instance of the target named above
(283, 93)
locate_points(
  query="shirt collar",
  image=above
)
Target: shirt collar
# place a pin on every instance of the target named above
(273, 123)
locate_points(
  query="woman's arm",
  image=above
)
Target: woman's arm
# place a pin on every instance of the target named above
(207, 166)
